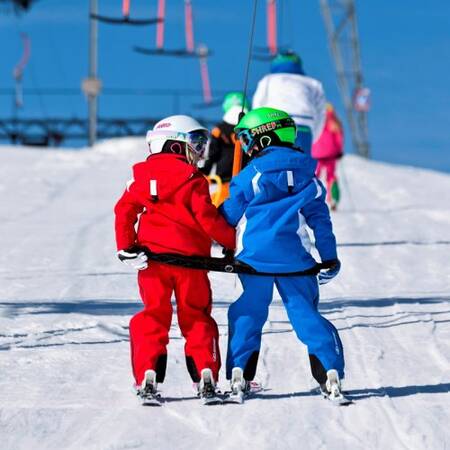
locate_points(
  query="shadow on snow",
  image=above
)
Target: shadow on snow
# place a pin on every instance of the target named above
(108, 307)
(359, 394)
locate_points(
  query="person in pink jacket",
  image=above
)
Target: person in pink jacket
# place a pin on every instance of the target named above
(327, 150)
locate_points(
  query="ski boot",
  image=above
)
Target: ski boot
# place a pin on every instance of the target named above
(240, 388)
(332, 389)
(335, 195)
(147, 391)
(207, 391)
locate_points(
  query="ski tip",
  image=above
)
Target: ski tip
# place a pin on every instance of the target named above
(233, 401)
(152, 403)
(213, 402)
(338, 401)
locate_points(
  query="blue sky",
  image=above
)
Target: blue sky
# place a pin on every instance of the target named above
(405, 49)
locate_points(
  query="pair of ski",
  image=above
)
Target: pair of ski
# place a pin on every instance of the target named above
(233, 396)
(229, 397)
(240, 388)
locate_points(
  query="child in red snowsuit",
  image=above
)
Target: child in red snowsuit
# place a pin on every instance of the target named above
(169, 198)
(327, 150)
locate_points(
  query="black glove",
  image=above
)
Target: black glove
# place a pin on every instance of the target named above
(227, 253)
(332, 267)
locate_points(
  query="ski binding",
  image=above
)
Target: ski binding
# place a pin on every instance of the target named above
(331, 390)
(147, 392)
(240, 388)
(207, 390)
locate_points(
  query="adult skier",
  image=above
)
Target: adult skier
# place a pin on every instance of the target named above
(327, 150)
(169, 199)
(221, 147)
(272, 200)
(302, 97)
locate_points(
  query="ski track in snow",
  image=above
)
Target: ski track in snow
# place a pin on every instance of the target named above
(65, 305)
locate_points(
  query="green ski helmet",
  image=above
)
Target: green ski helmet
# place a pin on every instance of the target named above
(234, 99)
(263, 127)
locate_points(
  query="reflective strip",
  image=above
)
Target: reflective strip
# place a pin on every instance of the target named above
(240, 230)
(319, 188)
(336, 345)
(302, 233)
(290, 178)
(255, 180)
(153, 189)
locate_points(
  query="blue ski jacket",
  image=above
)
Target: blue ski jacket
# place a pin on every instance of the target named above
(272, 201)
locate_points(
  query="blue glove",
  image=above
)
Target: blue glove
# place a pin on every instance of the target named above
(332, 269)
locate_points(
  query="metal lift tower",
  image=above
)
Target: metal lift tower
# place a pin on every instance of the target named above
(340, 22)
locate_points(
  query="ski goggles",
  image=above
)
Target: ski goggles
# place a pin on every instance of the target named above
(246, 140)
(197, 141)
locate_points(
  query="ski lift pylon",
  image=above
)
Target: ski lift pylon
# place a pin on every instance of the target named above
(125, 19)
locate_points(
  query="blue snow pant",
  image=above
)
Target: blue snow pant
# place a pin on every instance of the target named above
(300, 295)
(304, 138)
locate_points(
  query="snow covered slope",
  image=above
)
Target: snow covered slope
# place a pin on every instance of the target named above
(65, 303)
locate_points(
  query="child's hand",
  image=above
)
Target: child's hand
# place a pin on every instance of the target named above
(333, 267)
(134, 257)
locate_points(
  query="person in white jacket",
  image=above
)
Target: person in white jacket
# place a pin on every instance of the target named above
(302, 97)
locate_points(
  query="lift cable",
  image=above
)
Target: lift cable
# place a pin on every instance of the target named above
(237, 156)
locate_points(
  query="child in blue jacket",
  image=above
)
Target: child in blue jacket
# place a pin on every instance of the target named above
(272, 200)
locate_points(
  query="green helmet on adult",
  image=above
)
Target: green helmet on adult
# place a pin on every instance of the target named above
(234, 99)
(263, 127)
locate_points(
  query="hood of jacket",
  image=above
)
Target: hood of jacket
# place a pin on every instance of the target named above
(286, 169)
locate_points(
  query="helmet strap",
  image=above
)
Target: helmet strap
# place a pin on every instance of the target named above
(190, 155)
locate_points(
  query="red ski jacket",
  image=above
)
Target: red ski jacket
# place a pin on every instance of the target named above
(176, 213)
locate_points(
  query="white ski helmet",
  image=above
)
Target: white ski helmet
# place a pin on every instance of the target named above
(182, 129)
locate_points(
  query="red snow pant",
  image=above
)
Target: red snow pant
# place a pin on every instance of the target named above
(149, 329)
(329, 166)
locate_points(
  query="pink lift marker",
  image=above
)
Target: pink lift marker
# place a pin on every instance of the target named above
(272, 26)
(189, 26)
(160, 24)
(207, 96)
(126, 8)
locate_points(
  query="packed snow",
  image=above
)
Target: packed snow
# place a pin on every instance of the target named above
(66, 301)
